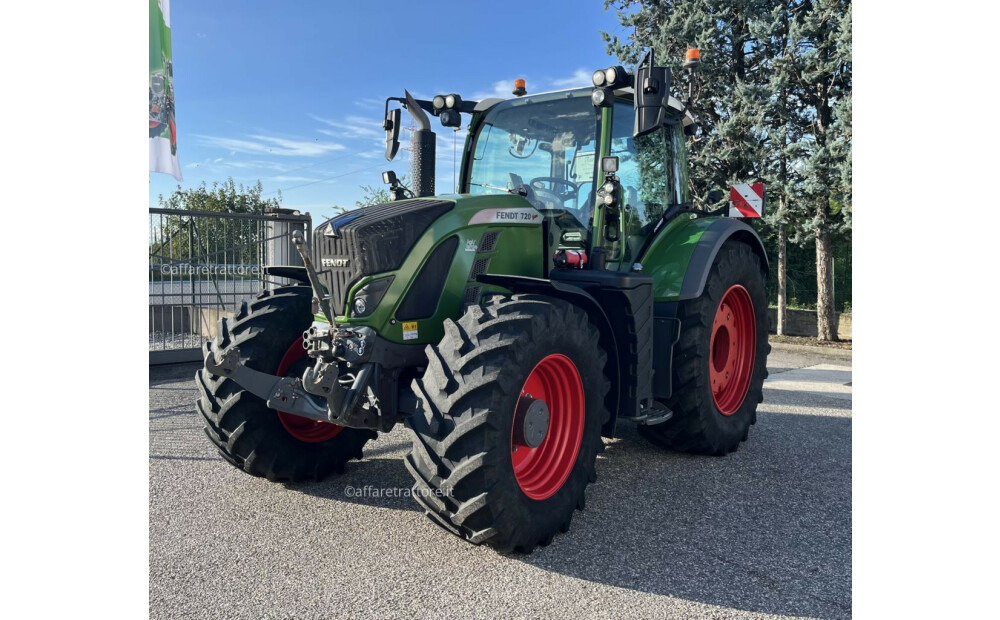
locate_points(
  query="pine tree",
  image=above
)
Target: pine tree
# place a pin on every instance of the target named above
(821, 34)
(775, 105)
(784, 125)
(728, 151)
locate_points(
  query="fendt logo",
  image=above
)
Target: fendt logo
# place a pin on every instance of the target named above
(336, 262)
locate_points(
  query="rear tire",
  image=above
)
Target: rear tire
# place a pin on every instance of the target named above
(720, 361)
(249, 434)
(469, 478)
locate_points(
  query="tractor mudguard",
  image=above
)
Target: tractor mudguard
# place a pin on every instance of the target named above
(681, 256)
(581, 298)
(288, 271)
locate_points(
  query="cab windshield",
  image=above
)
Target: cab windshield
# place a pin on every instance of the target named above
(544, 147)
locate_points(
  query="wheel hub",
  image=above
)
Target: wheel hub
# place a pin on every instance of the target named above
(732, 349)
(531, 422)
(547, 428)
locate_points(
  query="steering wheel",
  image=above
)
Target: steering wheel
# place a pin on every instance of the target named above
(570, 194)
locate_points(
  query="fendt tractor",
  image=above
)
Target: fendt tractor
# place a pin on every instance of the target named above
(569, 287)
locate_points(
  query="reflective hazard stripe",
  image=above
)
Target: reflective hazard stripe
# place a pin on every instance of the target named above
(746, 200)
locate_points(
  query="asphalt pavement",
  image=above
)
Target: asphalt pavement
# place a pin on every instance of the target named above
(763, 532)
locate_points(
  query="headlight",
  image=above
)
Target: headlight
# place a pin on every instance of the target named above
(599, 78)
(370, 296)
(450, 101)
(600, 97)
(438, 102)
(611, 75)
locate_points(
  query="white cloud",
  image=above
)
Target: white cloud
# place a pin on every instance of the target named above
(258, 164)
(369, 102)
(501, 89)
(581, 77)
(272, 145)
(352, 127)
(289, 179)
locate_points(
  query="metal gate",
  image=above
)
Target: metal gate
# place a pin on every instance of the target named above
(203, 264)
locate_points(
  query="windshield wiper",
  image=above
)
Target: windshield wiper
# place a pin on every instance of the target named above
(488, 186)
(520, 190)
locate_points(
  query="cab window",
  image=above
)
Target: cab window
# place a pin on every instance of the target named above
(651, 170)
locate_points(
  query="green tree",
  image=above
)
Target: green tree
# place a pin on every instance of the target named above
(188, 238)
(821, 34)
(774, 104)
(728, 150)
(783, 124)
(225, 197)
(376, 195)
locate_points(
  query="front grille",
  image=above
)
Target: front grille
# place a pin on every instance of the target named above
(489, 241)
(370, 240)
(479, 267)
(422, 299)
(471, 295)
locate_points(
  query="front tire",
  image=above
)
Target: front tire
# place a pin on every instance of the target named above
(249, 435)
(481, 469)
(720, 361)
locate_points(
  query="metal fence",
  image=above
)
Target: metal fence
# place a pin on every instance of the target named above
(800, 283)
(203, 264)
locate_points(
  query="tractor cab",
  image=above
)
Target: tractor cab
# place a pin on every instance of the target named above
(545, 147)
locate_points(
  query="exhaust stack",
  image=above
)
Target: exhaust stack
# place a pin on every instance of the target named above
(424, 150)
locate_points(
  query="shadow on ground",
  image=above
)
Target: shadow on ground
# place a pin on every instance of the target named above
(766, 529)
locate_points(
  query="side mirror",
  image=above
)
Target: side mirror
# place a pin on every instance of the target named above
(652, 88)
(391, 126)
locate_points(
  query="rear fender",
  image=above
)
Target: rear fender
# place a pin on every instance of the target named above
(681, 255)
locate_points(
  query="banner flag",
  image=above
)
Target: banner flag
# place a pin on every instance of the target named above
(162, 127)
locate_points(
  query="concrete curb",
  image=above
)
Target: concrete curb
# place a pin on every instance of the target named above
(172, 372)
(816, 350)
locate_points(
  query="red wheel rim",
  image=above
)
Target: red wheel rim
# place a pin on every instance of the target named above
(733, 347)
(303, 429)
(541, 471)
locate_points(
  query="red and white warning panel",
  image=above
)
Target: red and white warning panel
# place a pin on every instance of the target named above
(746, 200)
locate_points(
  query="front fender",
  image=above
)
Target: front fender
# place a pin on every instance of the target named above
(580, 298)
(681, 255)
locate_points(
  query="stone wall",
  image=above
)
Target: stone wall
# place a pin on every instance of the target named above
(803, 323)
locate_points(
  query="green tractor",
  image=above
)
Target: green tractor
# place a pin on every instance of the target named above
(568, 288)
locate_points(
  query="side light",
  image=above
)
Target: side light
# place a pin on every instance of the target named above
(370, 296)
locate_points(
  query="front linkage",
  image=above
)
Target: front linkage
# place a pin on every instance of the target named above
(353, 383)
(349, 361)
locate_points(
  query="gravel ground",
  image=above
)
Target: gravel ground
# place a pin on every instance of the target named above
(763, 532)
(167, 341)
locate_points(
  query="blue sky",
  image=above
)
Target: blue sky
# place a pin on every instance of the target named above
(292, 93)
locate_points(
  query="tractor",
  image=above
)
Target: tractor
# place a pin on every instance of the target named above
(570, 286)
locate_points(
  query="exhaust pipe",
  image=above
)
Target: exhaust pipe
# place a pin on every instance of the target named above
(424, 150)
